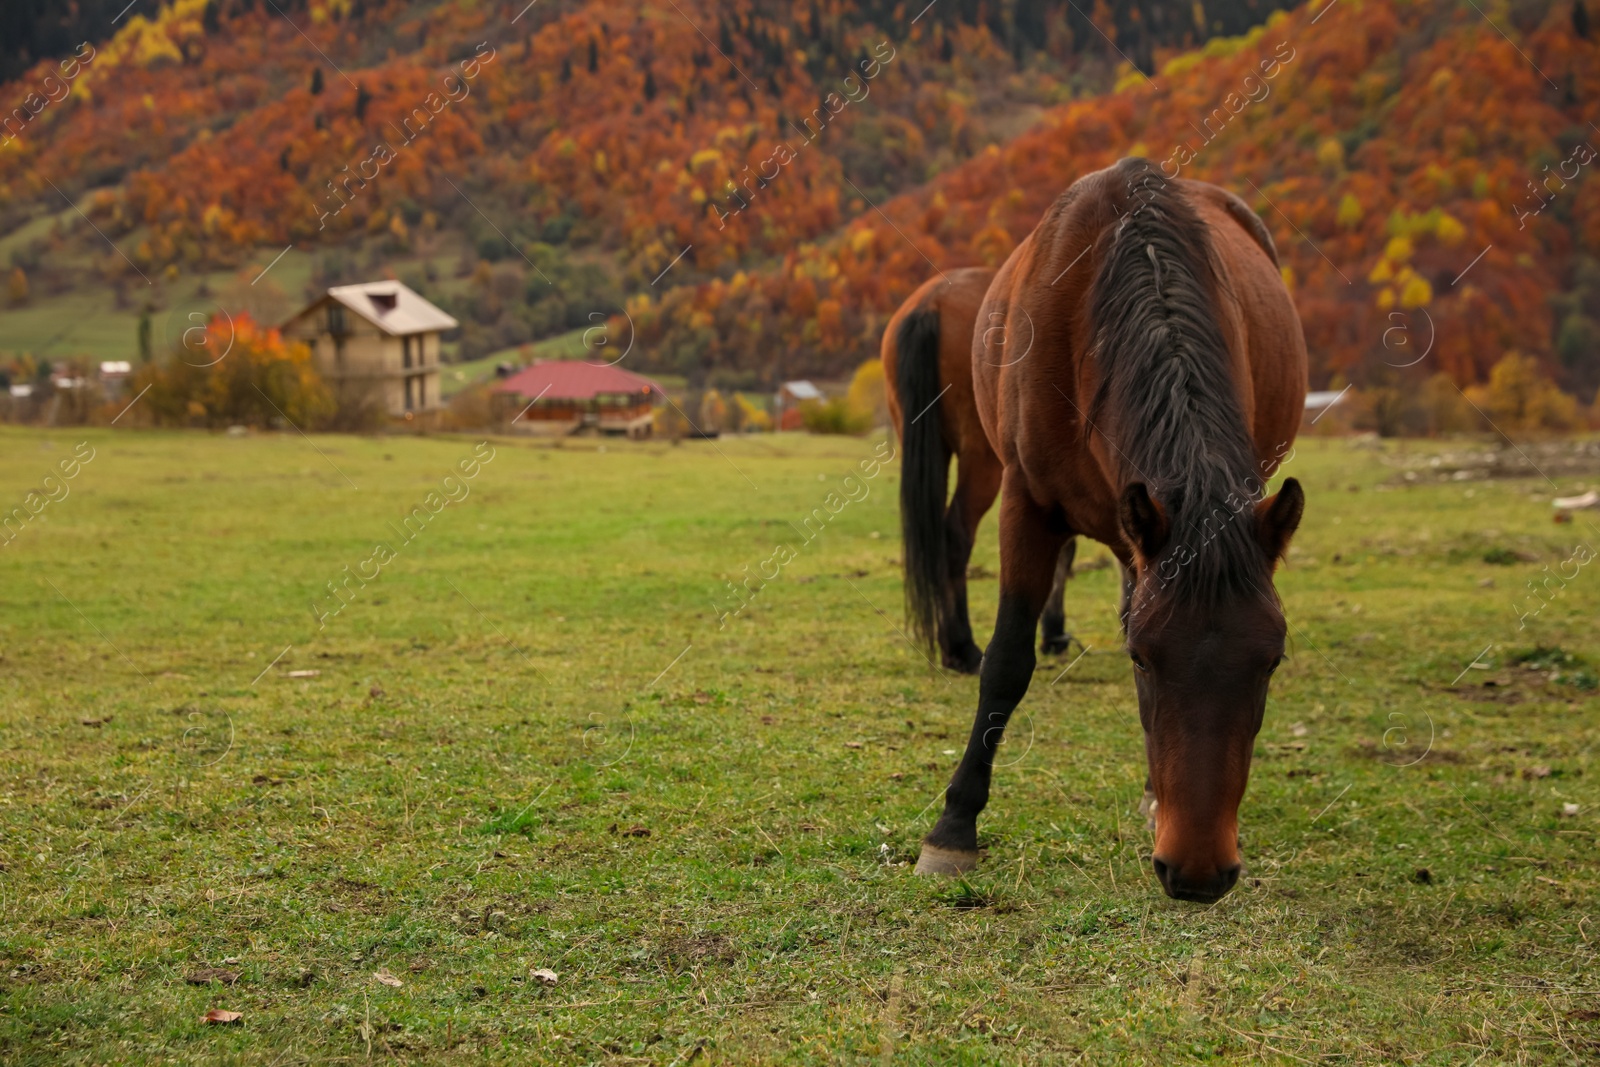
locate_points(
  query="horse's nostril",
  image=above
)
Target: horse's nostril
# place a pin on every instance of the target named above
(1207, 889)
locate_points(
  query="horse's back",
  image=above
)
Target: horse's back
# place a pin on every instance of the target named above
(1037, 405)
(1263, 328)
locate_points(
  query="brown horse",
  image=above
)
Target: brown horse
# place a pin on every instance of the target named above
(927, 361)
(1140, 370)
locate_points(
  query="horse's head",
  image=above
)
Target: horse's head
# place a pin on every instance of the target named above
(1202, 657)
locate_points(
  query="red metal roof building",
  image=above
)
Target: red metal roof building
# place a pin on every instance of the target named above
(574, 395)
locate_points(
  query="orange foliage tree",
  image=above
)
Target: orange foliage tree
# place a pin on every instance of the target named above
(236, 373)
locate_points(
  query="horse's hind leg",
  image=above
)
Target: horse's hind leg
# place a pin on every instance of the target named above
(1029, 546)
(1053, 636)
(976, 486)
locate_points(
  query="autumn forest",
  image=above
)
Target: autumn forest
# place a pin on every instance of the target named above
(750, 188)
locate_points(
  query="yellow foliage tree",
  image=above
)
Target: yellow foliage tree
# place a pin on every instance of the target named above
(753, 418)
(867, 396)
(713, 412)
(1519, 396)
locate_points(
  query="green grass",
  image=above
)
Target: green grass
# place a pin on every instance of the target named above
(529, 745)
(84, 322)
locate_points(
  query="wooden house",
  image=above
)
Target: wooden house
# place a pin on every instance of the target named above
(378, 340)
(569, 396)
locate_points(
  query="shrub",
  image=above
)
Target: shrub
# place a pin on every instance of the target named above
(834, 416)
(1519, 396)
(713, 416)
(753, 418)
(867, 395)
(471, 409)
(235, 372)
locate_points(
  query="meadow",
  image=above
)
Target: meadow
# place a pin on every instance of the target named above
(535, 794)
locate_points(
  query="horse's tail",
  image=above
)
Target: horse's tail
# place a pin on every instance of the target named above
(924, 470)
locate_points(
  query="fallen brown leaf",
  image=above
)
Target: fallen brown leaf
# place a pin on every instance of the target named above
(388, 979)
(96, 723)
(852, 744)
(304, 674)
(222, 1016)
(636, 831)
(547, 976)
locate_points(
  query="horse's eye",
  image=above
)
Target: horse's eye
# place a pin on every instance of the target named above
(1275, 664)
(1138, 662)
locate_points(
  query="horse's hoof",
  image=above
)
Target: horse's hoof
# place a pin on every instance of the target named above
(1057, 643)
(964, 662)
(944, 861)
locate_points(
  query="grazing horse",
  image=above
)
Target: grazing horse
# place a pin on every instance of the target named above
(927, 361)
(1140, 370)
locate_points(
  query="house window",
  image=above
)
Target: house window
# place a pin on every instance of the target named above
(410, 401)
(405, 352)
(336, 320)
(422, 391)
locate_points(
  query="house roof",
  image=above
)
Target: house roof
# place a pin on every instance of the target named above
(802, 390)
(391, 307)
(572, 379)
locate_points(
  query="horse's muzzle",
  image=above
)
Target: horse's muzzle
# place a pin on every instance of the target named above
(1208, 888)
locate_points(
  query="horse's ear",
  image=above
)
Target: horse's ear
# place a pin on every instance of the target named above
(1144, 523)
(1278, 516)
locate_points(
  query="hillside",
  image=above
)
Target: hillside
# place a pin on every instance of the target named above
(717, 171)
(525, 166)
(1425, 175)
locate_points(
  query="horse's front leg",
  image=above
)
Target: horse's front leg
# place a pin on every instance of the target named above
(1029, 546)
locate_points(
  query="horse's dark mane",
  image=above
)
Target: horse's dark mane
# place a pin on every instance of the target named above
(1167, 399)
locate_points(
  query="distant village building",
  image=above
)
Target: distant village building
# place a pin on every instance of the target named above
(378, 339)
(786, 405)
(1318, 402)
(114, 375)
(556, 396)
